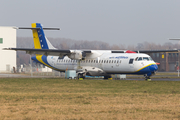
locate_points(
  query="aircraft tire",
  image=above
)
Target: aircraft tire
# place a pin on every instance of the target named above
(106, 77)
(80, 76)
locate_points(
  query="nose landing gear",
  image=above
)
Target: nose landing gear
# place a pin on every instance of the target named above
(147, 78)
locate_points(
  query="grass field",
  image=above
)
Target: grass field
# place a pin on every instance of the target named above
(29, 99)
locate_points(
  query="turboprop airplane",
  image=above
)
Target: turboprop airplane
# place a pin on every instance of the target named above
(89, 62)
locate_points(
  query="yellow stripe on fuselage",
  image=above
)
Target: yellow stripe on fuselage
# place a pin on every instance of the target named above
(37, 44)
(39, 58)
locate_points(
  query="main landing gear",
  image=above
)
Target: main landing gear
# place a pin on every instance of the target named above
(107, 77)
(81, 75)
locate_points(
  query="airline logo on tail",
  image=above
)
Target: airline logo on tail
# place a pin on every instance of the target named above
(39, 37)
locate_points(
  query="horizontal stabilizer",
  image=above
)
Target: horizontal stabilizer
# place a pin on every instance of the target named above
(37, 28)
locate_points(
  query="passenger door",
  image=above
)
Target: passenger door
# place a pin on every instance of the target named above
(131, 64)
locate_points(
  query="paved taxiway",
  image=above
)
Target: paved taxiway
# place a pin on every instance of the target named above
(28, 76)
(158, 79)
(11, 75)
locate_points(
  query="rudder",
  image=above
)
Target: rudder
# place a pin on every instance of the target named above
(40, 40)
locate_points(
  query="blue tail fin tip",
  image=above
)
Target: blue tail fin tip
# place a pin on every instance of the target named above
(42, 37)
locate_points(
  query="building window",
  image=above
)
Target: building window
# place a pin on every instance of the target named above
(173, 54)
(1, 40)
(157, 54)
(154, 54)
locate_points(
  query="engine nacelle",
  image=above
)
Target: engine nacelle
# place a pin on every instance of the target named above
(77, 55)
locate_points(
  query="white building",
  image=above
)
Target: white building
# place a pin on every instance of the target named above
(7, 57)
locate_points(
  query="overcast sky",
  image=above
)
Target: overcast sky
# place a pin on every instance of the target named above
(125, 22)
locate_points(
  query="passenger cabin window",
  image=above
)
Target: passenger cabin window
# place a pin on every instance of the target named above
(131, 61)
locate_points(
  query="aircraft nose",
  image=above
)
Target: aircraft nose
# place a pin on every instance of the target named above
(154, 67)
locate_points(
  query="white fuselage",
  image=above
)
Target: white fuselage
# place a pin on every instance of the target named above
(107, 63)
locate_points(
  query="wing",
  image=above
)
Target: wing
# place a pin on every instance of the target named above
(41, 51)
(81, 54)
(156, 51)
(73, 54)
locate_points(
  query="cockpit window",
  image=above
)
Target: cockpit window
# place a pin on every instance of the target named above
(140, 58)
(145, 59)
(150, 59)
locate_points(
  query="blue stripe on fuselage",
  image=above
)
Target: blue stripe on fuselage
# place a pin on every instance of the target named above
(34, 58)
(44, 58)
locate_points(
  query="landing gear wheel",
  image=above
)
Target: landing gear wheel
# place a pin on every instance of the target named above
(106, 77)
(81, 76)
(147, 78)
